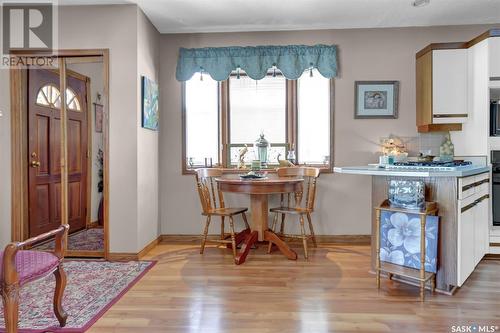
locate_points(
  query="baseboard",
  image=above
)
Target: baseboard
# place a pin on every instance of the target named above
(345, 239)
(325, 239)
(117, 256)
(149, 247)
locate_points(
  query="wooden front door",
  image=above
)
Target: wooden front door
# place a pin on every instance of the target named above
(44, 167)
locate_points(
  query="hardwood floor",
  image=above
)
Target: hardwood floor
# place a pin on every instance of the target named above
(332, 292)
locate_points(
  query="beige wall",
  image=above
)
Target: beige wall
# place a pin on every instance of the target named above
(148, 39)
(114, 28)
(344, 202)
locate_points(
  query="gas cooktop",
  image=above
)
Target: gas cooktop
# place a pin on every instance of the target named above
(434, 165)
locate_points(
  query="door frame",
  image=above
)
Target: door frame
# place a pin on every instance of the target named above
(19, 144)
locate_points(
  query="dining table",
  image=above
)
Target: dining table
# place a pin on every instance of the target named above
(260, 190)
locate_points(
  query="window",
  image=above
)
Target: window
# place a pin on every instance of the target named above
(201, 122)
(50, 96)
(220, 119)
(313, 123)
(256, 107)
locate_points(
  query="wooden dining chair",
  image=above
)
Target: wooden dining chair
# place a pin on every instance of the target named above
(19, 267)
(212, 203)
(291, 203)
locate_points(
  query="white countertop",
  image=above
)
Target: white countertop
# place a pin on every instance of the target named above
(377, 171)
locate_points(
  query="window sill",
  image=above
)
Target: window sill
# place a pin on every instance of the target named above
(187, 171)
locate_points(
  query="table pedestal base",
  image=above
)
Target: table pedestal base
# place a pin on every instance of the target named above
(282, 246)
(247, 239)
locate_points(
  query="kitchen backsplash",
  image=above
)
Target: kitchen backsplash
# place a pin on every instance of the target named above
(424, 142)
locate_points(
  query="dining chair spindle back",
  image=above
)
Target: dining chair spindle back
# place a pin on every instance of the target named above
(212, 202)
(298, 203)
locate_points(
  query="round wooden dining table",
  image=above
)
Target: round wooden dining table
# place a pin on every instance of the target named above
(259, 191)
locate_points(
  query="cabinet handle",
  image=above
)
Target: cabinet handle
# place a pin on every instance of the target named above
(469, 206)
(484, 181)
(451, 115)
(468, 187)
(486, 196)
(472, 204)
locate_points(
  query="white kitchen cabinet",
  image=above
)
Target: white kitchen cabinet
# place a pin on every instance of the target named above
(473, 224)
(449, 86)
(481, 230)
(465, 242)
(472, 140)
(494, 49)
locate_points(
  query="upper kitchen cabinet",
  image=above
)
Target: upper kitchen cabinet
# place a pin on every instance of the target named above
(494, 48)
(441, 82)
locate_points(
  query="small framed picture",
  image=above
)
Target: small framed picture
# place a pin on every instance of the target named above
(376, 99)
(98, 117)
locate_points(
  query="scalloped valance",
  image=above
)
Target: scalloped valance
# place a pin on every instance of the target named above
(291, 60)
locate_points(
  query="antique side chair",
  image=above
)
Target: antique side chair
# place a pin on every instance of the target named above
(19, 267)
(291, 203)
(212, 203)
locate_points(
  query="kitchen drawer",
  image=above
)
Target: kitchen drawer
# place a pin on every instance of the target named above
(483, 183)
(467, 202)
(468, 186)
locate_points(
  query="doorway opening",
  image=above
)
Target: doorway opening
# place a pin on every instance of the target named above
(60, 164)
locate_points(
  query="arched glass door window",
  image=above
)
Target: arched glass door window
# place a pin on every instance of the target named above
(50, 96)
(72, 101)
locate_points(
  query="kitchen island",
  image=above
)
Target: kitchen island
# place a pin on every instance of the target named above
(462, 195)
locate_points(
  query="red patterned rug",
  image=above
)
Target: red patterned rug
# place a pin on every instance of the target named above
(92, 288)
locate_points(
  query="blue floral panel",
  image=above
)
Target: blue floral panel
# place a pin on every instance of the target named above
(400, 240)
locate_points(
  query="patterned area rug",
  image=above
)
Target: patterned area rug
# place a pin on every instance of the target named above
(93, 287)
(85, 240)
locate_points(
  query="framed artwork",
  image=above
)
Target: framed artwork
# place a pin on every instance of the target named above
(376, 99)
(99, 114)
(149, 104)
(400, 240)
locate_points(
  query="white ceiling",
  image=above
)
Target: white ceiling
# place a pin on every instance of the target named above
(174, 16)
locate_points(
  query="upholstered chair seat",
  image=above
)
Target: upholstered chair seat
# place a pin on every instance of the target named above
(32, 265)
(19, 266)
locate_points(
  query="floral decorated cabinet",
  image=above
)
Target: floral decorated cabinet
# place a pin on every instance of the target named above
(407, 243)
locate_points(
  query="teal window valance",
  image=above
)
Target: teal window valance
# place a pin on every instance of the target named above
(291, 60)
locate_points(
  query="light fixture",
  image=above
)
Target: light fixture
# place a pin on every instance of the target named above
(420, 3)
